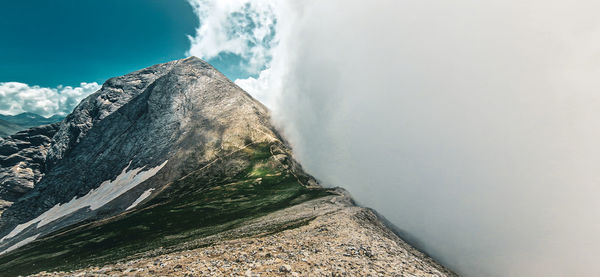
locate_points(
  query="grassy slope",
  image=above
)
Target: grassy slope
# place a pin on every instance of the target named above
(209, 201)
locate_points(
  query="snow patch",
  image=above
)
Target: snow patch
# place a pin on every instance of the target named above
(141, 198)
(94, 199)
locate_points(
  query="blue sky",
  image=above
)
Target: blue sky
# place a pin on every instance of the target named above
(65, 42)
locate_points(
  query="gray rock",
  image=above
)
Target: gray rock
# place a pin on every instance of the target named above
(285, 268)
(115, 93)
(22, 162)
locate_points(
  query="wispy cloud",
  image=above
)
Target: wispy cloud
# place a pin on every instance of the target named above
(241, 27)
(17, 97)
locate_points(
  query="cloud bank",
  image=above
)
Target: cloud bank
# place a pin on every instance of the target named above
(18, 97)
(473, 126)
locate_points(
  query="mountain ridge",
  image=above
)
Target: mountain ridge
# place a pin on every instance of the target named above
(8, 128)
(102, 148)
(11, 124)
(165, 157)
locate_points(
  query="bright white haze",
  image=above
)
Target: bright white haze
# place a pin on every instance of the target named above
(474, 126)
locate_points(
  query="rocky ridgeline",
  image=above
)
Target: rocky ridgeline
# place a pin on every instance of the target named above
(175, 170)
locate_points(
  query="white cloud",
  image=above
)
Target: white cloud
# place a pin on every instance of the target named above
(242, 27)
(17, 97)
(474, 126)
(219, 33)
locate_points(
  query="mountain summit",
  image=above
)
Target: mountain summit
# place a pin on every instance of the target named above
(170, 158)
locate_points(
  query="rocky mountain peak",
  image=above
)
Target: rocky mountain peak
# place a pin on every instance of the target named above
(184, 112)
(173, 157)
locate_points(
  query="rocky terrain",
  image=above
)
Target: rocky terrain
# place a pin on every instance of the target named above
(22, 162)
(175, 170)
(328, 236)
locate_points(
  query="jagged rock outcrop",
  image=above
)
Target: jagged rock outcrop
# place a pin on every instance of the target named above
(168, 158)
(23, 162)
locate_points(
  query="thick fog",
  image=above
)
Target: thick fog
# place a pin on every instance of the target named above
(473, 126)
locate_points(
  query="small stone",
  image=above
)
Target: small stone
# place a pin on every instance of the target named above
(285, 268)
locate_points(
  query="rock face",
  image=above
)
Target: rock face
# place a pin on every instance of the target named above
(23, 162)
(114, 93)
(171, 157)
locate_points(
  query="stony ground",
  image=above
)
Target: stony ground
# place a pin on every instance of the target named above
(335, 239)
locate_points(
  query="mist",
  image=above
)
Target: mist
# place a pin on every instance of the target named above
(473, 126)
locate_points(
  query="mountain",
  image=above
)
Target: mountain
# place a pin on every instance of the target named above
(31, 119)
(8, 128)
(174, 170)
(10, 124)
